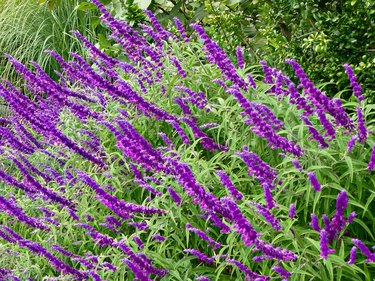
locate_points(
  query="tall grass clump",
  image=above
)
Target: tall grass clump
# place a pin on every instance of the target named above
(176, 163)
(28, 28)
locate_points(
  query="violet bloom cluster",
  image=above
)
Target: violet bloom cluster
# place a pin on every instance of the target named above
(324, 248)
(198, 99)
(181, 29)
(266, 176)
(371, 164)
(13, 237)
(334, 107)
(357, 90)
(218, 57)
(362, 131)
(240, 60)
(174, 195)
(352, 255)
(250, 275)
(268, 216)
(211, 242)
(363, 248)
(225, 180)
(202, 278)
(334, 227)
(242, 225)
(16, 211)
(314, 181)
(270, 252)
(292, 211)
(314, 132)
(201, 256)
(264, 123)
(282, 272)
(121, 208)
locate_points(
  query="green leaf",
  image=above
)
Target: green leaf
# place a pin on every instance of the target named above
(143, 4)
(86, 6)
(103, 42)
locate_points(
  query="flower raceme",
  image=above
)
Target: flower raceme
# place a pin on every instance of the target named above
(90, 88)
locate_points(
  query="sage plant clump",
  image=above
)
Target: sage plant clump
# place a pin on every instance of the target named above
(171, 160)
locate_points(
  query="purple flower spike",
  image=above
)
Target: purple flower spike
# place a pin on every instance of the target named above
(371, 164)
(292, 211)
(297, 165)
(174, 195)
(282, 272)
(199, 255)
(357, 90)
(202, 278)
(353, 254)
(324, 249)
(314, 223)
(268, 216)
(362, 131)
(351, 143)
(314, 181)
(138, 241)
(249, 274)
(158, 237)
(204, 236)
(240, 59)
(181, 29)
(366, 251)
(225, 180)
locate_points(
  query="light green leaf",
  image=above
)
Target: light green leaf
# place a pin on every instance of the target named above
(143, 4)
(86, 6)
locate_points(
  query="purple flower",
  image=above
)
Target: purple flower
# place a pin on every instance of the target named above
(270, 252)
(202, 278)
(352, 142)
(137, 270)
(314, 132)
(353, 253)
(218, 57)
(362, 131)
(179, 67)
(181, 29)
(324, 249)
(314, 222)
(282, 272)
(225, 180)
(330, 131)
(139, 225)
(266, 175)
(16, 211)
(366, 251)
(314, 181)
(247, 271)
(292, 211)
(199, 255)
(240, 59)
(138, 241)
(357, 90)
(158, 237)
(251, 81)
(242, 224)
(204, 236)
(174, 195)
(371, 163)
(270, 218)
(297, 165)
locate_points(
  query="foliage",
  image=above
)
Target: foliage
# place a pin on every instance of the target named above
(113, 172)
(322, 35)
(28, 28)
